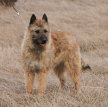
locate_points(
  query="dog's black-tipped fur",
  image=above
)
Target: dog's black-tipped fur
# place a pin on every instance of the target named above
(8, 2)
(45, 18)
(85, 66)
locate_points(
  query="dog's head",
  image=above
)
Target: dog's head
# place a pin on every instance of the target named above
(39, 31)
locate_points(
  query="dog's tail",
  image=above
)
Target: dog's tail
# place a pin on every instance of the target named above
(85, 66)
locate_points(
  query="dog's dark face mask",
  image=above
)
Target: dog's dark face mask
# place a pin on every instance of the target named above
(40, 39)
(39, 31)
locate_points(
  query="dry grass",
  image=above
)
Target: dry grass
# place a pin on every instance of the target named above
(88, 20)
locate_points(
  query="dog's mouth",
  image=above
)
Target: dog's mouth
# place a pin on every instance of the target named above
(43, 42)
(40, 43)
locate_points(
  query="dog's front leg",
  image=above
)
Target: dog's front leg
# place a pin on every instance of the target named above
(43, 74)
(29, 81)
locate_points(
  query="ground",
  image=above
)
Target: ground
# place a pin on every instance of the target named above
(88, 21)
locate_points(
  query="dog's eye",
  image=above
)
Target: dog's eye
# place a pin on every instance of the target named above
(37, 31)
(45, 31)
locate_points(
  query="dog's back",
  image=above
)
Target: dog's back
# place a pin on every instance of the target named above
(63, 40)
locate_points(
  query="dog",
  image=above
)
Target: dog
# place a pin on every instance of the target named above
(43, 50)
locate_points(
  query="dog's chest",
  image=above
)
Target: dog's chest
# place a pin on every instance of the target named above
(39, 62)
(36, 65)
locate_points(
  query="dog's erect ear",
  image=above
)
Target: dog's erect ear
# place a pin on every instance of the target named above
(32, 19)
(45, 18)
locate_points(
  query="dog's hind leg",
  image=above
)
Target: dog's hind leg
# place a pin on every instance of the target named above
(74, 72)
(59, 71)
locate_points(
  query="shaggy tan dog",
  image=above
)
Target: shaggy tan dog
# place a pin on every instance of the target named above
(43, 50)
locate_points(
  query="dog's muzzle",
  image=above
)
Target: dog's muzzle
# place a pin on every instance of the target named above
(40, 40)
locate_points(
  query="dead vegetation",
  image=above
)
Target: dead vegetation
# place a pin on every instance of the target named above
(88, 20)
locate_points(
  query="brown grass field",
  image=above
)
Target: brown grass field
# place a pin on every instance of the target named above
(88, 21)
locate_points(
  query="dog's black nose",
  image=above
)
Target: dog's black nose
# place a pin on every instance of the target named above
(43, 41)
(40, 40)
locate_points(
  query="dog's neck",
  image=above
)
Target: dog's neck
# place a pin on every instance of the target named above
(37, 51)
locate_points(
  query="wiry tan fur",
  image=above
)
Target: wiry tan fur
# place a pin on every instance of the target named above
(61, 53)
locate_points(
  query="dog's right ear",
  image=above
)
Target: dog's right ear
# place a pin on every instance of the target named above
(32, 19)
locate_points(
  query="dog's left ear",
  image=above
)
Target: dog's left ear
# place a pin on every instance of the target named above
(45, 18)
